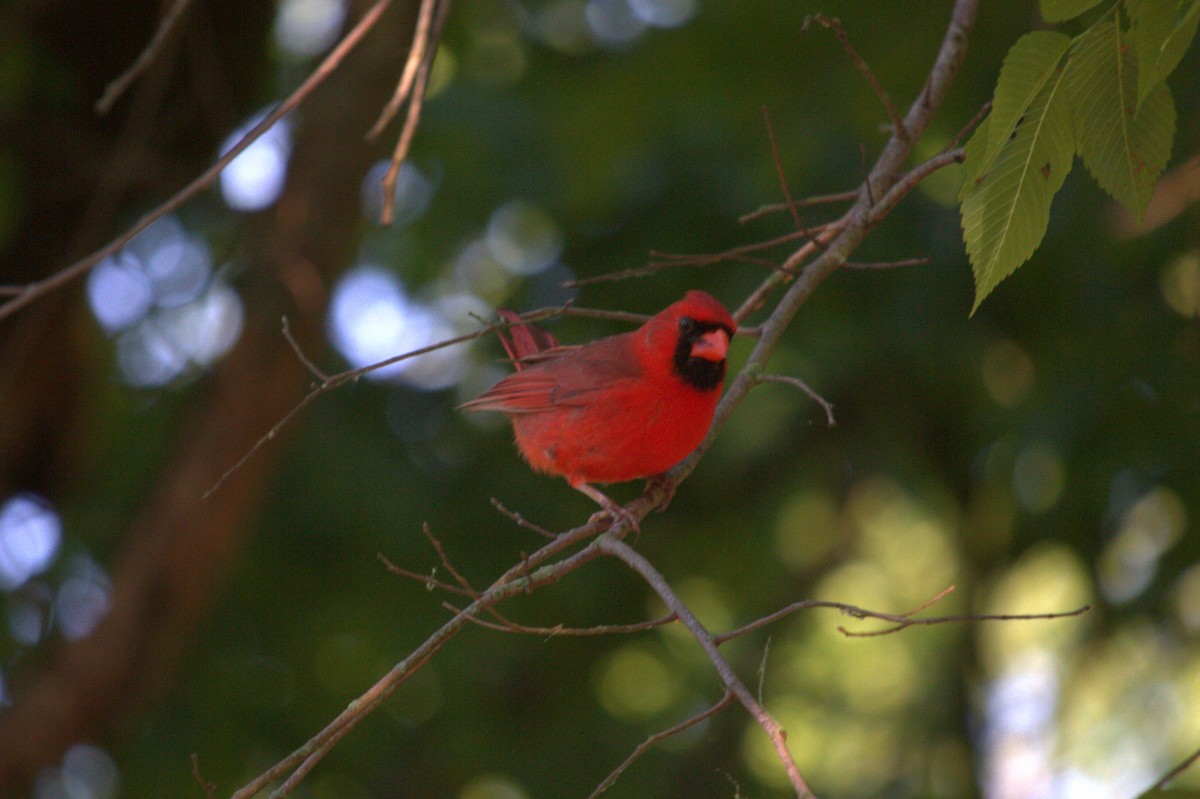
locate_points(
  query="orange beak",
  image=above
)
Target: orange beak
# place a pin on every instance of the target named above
(712, 346)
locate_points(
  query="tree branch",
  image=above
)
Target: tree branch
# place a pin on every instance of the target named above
(645, 745)
(30, 293)
(835, 242)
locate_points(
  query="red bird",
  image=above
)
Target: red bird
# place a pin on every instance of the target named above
(622, 407)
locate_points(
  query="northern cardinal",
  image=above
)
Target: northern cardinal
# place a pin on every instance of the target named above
(622, 407)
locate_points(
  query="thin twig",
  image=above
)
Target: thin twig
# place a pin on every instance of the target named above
(121, 84)
(429, 581)
(416, 56)
(758, 297)
(446, 562)
(514, 581)
(762, 668)
(631, 558)
(835, 24)
(877, 265)
(704, 259)
(970, 126)
(780, 172)
(645, 745)
(901, 621)
(340, 379)
(910, 180)
(559, 629)
(820, 199)
(204, 784)
(1175, 772)
(796, 382)
(33, 291)
(671, 260)
(295, 345)
(416, 102)
(520, 520)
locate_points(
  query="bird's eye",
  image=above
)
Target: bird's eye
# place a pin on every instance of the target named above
(687, 325)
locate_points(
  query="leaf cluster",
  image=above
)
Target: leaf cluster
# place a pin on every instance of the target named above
(1101, 94)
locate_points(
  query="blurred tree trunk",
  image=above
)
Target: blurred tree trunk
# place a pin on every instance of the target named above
(178, 546)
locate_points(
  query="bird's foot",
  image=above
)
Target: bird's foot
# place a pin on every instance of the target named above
(666, 484)
(616, 513)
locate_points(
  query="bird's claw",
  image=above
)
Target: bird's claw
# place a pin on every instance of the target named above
(666, 484)
(616, 515)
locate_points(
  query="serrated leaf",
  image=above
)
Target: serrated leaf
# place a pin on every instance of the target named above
(1162, 32)
(1124, 147)
(1029, 64)
(973, 152)
(1005, 210)
(1059, 10)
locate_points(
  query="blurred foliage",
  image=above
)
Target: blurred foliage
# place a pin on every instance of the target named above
(1038, 456)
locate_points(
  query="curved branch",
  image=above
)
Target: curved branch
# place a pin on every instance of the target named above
(631, 558)
(836, 241)
(25, 295)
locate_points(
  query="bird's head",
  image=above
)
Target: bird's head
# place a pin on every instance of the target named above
(694, 332)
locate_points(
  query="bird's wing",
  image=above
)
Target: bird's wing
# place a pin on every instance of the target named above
(559, 378)
(521, 392)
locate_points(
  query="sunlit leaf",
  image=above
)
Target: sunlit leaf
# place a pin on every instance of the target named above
(1162, 32)
(1125, 148)
(1059, 10)
(1029, 65)
(1006, 209)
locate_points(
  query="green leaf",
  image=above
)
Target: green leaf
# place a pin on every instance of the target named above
(1006, 209)
(1029, 65)
(1059, 10)
(1162, 31)
(1124, 147)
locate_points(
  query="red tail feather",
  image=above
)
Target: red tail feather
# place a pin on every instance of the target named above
(523, 340)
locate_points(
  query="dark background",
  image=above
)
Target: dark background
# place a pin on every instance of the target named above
(1038, 456)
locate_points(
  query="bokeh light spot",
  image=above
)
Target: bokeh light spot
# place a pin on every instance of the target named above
(1180, 284)
(807, 530)
(372, 318)
(523, 239)
(255, 178)
(1039, 477)
(414, 191)
(634, 684)
(147, 358)
(563, 26)
(178, 271)
(119, 292)
(613, 22)
(1186, 599)
(1128, 562)
(493, 786)
(305, 28)
(87, 772)
(30, 534)
(1045, 579)
(663, 13)
(28, 612)
(910, 544)
(1008, 373)
(82, 600)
